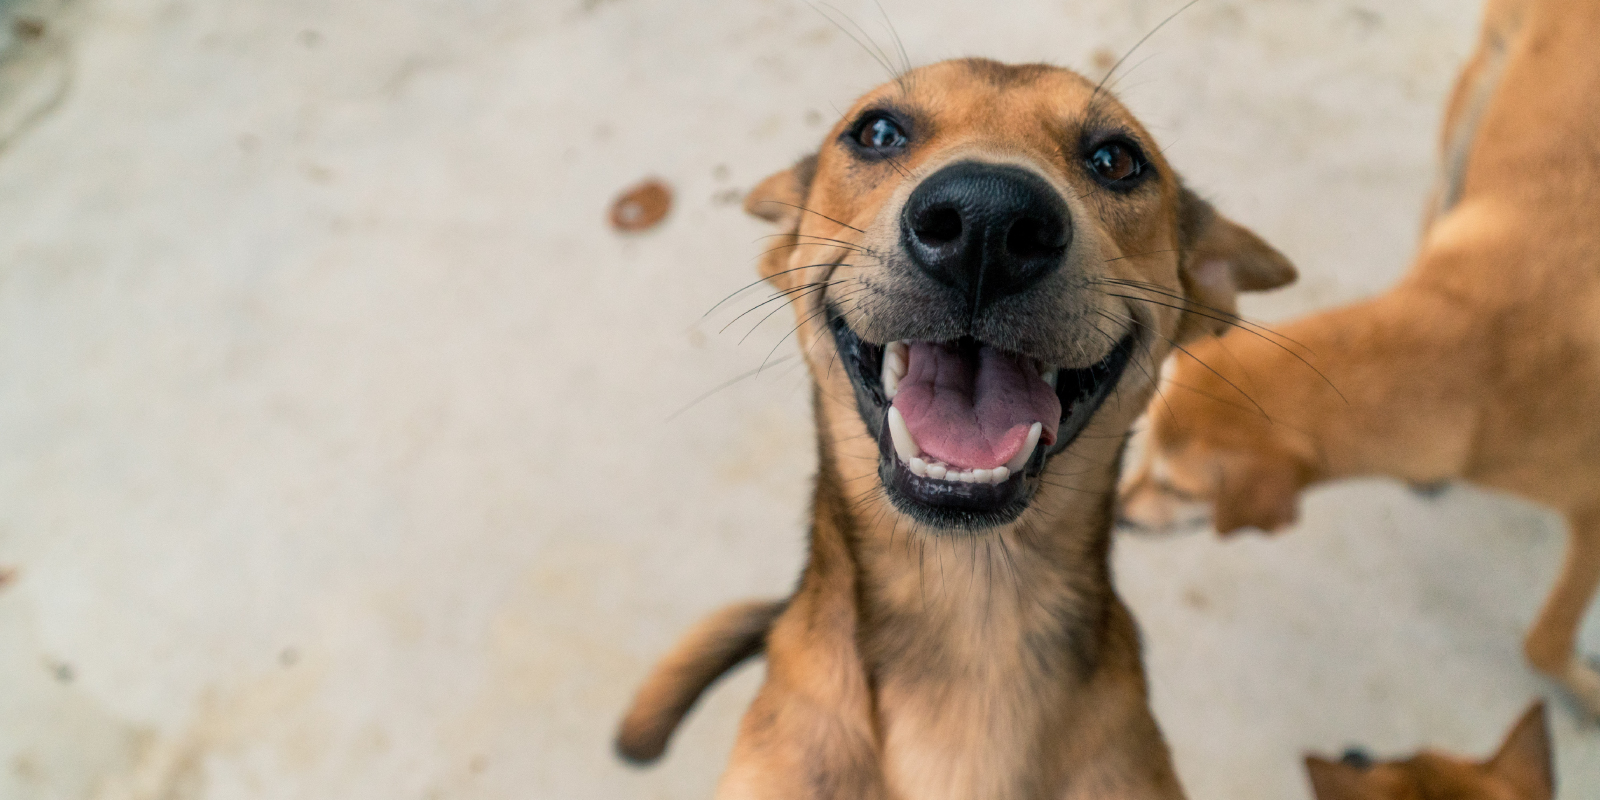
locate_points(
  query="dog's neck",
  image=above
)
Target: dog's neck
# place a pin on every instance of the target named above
(974, 645)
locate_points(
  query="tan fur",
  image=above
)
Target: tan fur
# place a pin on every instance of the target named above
(1520, 770)
(1482, 365)
(719, 643)
(920, 663)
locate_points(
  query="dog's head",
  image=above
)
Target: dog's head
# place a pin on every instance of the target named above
(1521, 770)
(977, 254)
(1206, 451)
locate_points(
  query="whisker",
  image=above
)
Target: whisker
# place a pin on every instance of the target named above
(840, 242)
(900, 45)
(1297, 356)
(1224, 378)
(776, 296)
(759, 281)
(1230, 317)
(809, 211)
(720, 387)
(1136, 46)
(876, 56)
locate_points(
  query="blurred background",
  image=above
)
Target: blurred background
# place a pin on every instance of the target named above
(347, 450)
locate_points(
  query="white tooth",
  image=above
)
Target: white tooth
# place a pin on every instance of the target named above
(902, 353)
(980, 476)
(919, 467)
(965, 476)
(1050, 376)
(896, 357)
(937, 471)
(1000, 475)
(900, 435)
(1020, 460)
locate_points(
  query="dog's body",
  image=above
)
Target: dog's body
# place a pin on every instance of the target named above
(955, 633)
(1482, 365)
(1521, 769)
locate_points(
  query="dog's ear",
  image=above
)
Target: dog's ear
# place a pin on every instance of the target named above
(1257, 491)
(1221, 258)
(1331, 780)
(779, 198)
(1524, 759)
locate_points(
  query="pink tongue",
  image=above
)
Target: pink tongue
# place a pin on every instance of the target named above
(972, 407)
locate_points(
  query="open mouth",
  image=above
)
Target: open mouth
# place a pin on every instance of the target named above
(963, 428)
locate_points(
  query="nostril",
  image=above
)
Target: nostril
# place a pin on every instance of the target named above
(938, 226)
(1031, 237)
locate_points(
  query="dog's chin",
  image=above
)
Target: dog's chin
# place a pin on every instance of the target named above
(940, 496)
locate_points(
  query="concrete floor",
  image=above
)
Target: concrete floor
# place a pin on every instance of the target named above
(335, 450)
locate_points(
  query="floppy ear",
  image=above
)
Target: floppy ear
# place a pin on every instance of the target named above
(1524, 759)
(1220, 259)
(1331, 780)
(778, 198)
(1257, 491)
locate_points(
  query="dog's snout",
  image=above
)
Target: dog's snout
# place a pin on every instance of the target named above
(988, 230)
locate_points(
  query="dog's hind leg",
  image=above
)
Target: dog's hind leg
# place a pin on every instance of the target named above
(1551, 644)
(714, 646)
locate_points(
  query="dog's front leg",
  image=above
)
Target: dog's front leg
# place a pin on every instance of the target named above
(809, 735)
(1551, 644)
(789, 749)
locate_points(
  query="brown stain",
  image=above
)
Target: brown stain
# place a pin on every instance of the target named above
(641, 207)
(1102, 58)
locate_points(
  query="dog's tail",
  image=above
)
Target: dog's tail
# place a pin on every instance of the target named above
(714, 646)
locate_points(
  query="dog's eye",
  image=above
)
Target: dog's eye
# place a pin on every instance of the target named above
(881, 133)
(1115, 162)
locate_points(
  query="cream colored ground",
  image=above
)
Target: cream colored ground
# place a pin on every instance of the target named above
(335, 451)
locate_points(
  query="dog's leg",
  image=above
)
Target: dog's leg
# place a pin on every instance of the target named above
(1551, 644)
(719, 643)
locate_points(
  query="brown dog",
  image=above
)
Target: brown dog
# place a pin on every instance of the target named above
(1520, 770)
(1483, 364)
(955, 253)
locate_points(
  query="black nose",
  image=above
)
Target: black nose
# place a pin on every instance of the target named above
(988, 230)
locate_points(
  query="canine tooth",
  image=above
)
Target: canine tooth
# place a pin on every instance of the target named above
(900, 436)
(981, 475)
(902, 353)
(937, 471)
(896, 357)
(1020, 460)
(1001, 474)
(1050, 375)
(919, 467)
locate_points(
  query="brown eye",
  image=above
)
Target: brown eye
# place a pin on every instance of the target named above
(881, 133)
(1116, 162)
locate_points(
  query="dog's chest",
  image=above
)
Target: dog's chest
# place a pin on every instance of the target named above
(959, 741)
